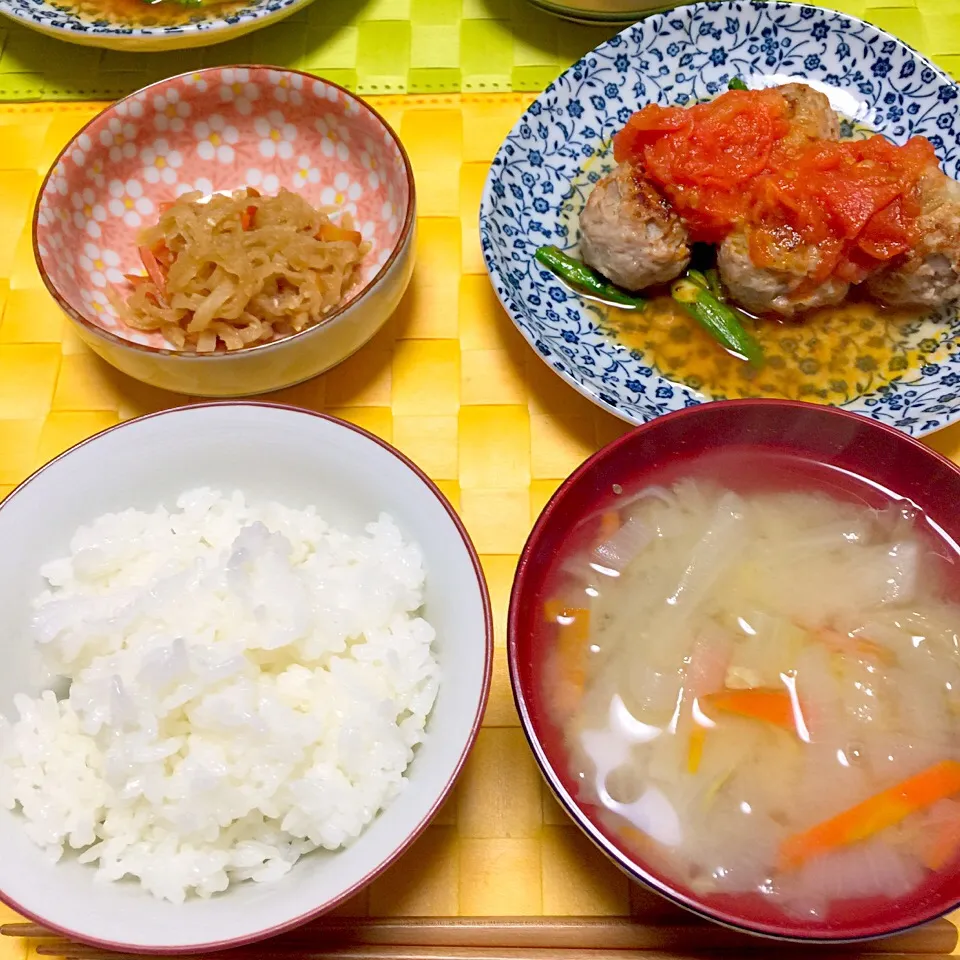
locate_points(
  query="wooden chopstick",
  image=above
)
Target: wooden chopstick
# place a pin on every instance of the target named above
(72, 952)
(521, 938)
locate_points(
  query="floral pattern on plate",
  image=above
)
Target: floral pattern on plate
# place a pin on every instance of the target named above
(219, 130)
(548, 163)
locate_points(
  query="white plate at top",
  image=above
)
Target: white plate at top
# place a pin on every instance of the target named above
(60, 20)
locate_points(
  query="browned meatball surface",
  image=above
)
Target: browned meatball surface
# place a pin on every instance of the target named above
(774, 289)
(630, 234)
(811, 116)
(928, 276)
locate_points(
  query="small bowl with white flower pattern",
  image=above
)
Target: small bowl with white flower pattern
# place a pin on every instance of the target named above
(541, 177)
(223, 129)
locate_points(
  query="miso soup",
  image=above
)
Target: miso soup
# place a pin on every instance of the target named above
(760, 688)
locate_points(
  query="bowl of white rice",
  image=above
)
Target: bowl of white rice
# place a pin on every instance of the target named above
(247, 649)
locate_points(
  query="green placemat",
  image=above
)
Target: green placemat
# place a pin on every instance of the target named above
(398, 46)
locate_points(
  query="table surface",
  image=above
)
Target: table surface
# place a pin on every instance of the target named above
(449, 381)
(398, 46)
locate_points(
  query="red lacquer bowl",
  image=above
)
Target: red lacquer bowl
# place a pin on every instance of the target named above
(813, 446)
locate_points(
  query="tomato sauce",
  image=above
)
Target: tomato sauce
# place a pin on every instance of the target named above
(731, 163)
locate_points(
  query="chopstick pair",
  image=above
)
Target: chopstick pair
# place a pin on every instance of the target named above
(538, 938)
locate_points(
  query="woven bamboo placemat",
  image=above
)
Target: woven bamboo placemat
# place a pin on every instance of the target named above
(398, 46)
(452, 384)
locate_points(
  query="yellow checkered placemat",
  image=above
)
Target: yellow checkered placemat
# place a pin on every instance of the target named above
(399, 46)
(452, 384)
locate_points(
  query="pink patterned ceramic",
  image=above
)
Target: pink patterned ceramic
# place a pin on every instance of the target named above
(216, 130)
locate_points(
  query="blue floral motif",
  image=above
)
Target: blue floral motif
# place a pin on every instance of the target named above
(665, 59)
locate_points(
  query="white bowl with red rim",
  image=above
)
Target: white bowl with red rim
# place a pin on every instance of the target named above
(222, 129)
(300, 459)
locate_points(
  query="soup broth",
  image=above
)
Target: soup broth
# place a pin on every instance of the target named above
(759, 687)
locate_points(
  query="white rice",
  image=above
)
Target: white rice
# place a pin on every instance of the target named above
(246, 684)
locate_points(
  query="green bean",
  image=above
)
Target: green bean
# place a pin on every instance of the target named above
(579, 275)
(717, 319)
(714, 285)
(737, 84)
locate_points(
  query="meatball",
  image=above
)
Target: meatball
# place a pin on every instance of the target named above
(928, 276)
(630, 234)
(769, 289)
(811, 116)
(773, 289)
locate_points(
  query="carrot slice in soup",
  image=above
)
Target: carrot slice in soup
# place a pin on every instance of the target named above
(942, 844)
(609, 524)
(695, 749)
(880, 811)
(573, 635)
(773, 706)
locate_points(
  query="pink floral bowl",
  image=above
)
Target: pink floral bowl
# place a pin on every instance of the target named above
(222, 129)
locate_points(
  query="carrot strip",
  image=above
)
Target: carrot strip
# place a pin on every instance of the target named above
(164, 257)
(573, 636)
(609, 524)
(246, 217)
(943, 846)
(331, 233)
(880, 811)
(773, 706)
(844, 643)
(150, 264)
(695, 750)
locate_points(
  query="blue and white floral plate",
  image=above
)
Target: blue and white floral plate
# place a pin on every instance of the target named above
(545, 168)
(62, 21)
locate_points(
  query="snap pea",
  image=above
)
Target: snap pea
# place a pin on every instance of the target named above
(579, 275)
(737, 84)
(716, 318)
